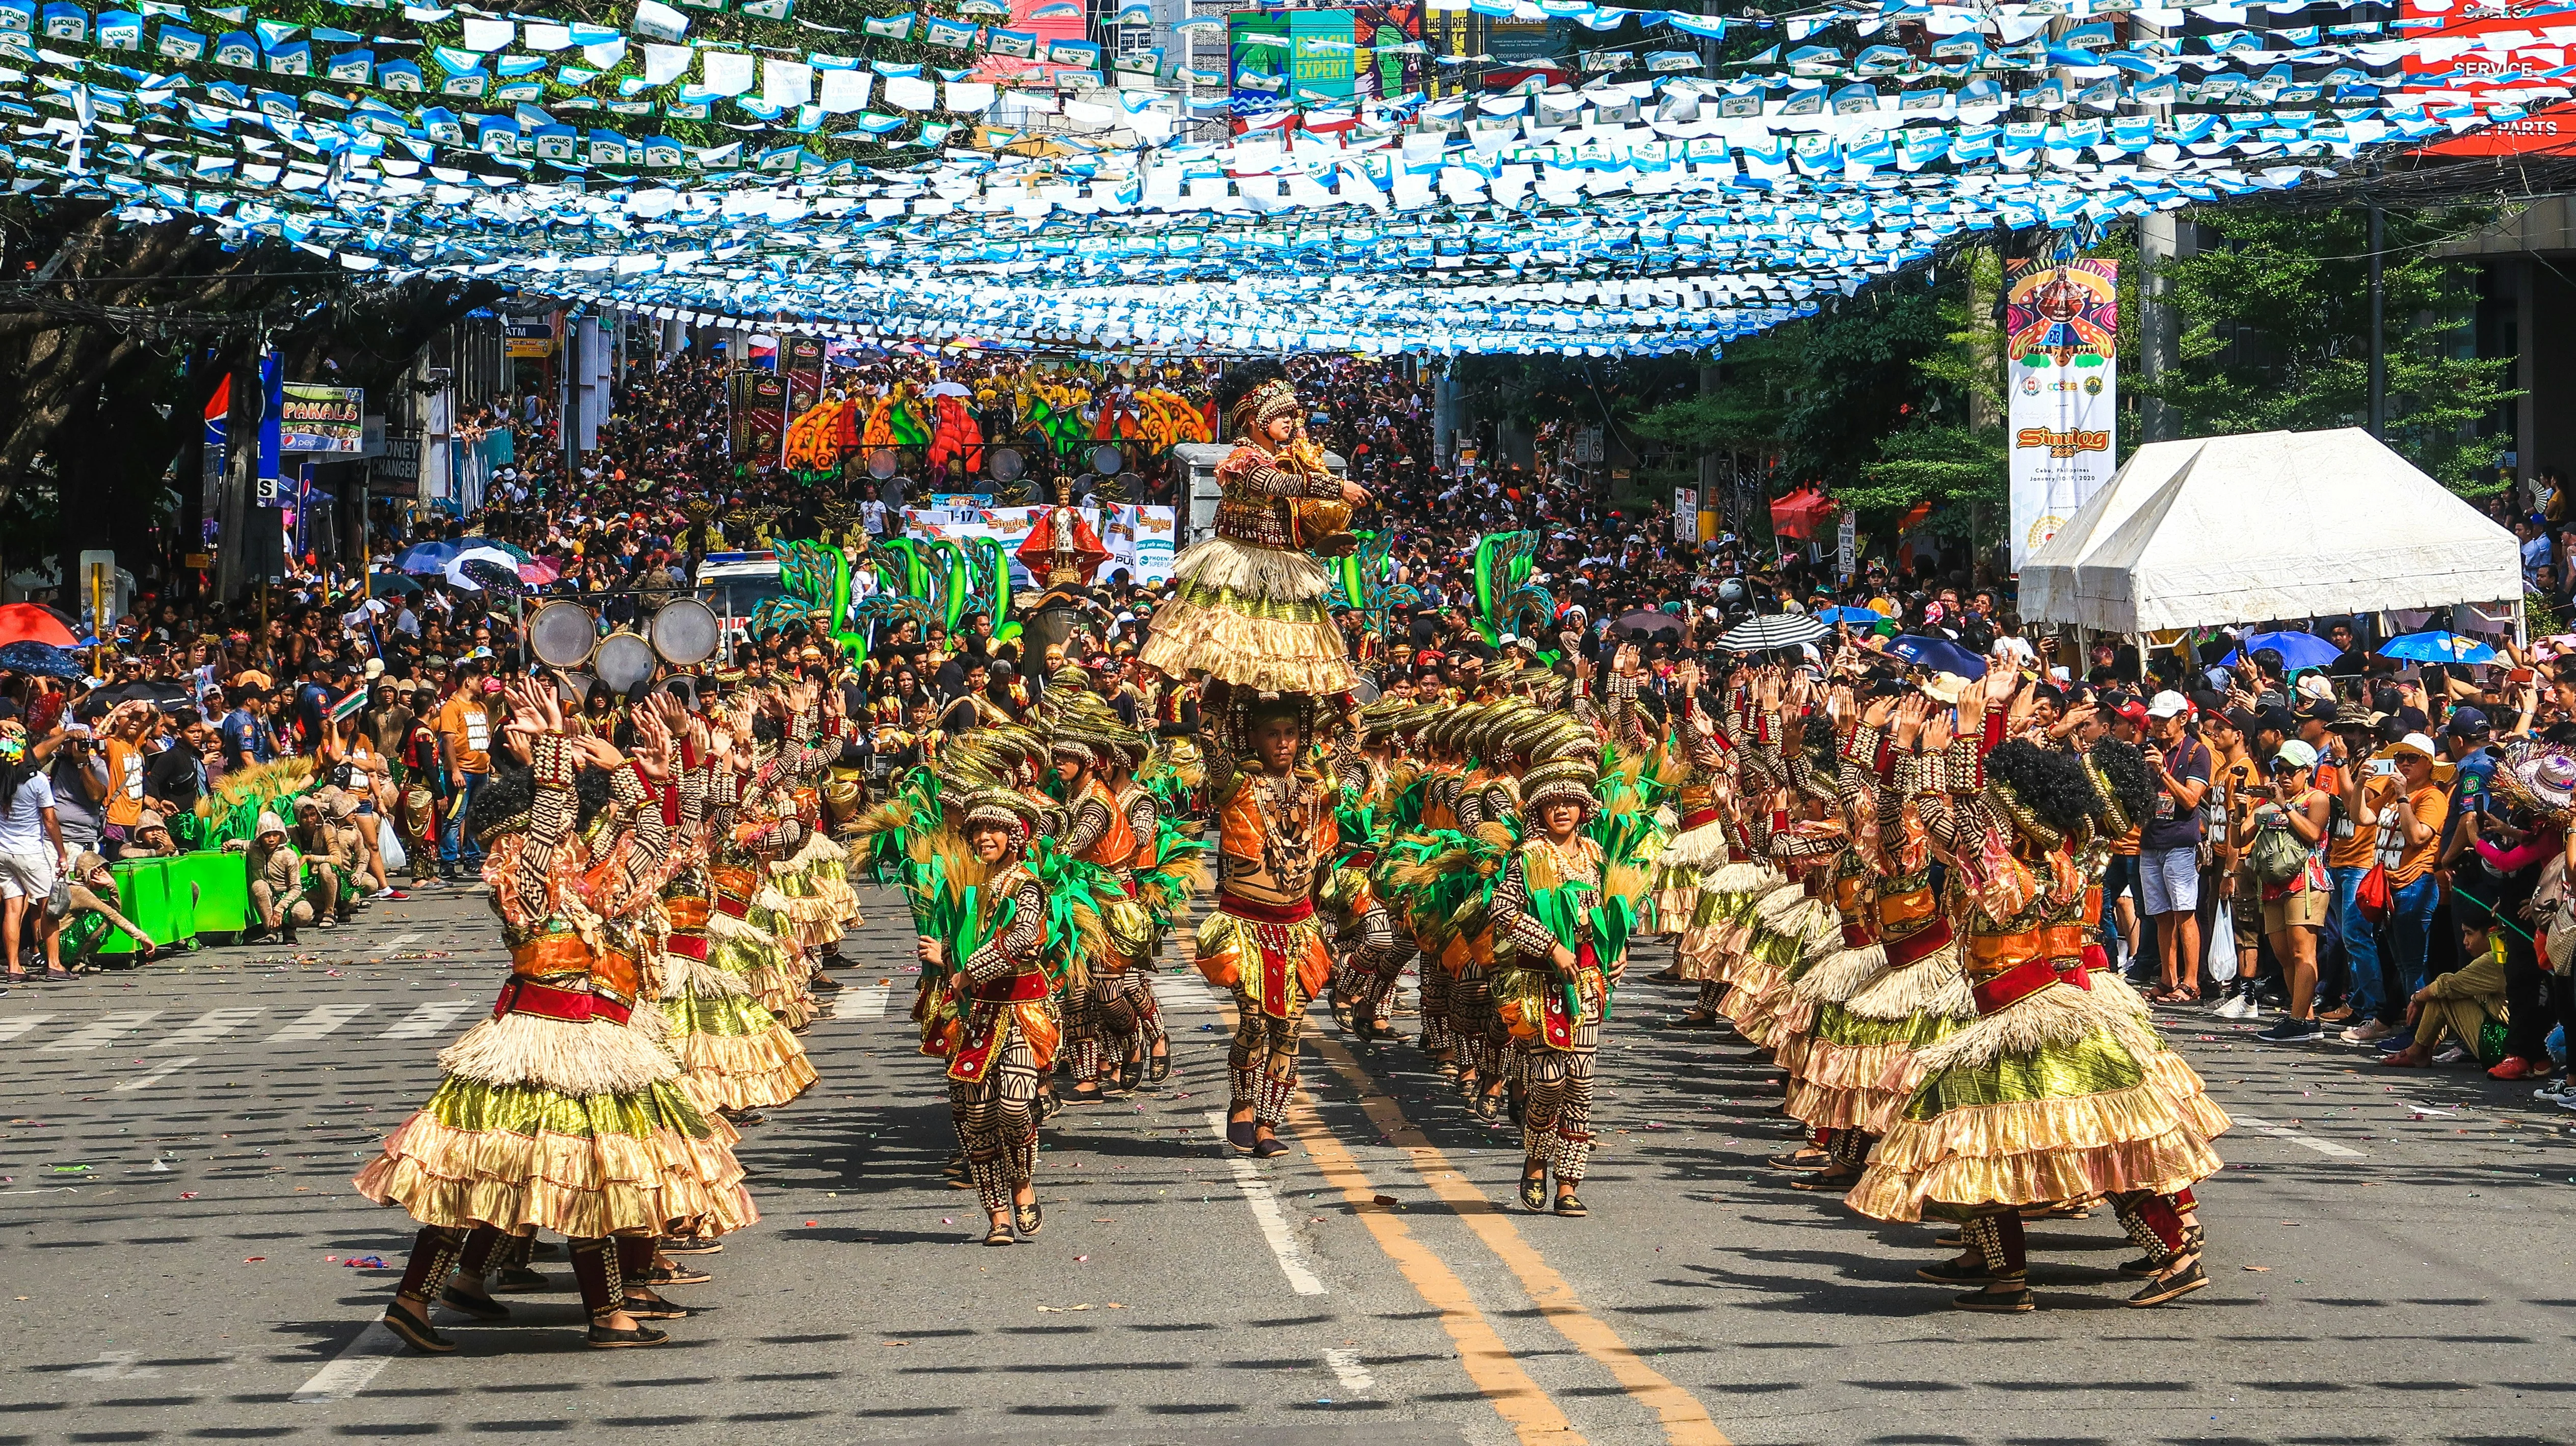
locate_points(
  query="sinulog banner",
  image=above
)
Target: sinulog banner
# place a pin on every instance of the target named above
(2061, 367)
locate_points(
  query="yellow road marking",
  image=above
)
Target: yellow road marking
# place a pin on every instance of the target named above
(1685, 1421)
(1489, 1363)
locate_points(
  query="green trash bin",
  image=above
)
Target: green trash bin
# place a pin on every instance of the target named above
(216, 886)
(144, 891)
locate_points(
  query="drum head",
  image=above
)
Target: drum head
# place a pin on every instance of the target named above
(881, 463)
(562, 634)
(1106, 461)
(684, 632)
(624, 661)
(1005, 464)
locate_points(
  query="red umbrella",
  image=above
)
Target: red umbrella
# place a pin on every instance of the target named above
(26, 622)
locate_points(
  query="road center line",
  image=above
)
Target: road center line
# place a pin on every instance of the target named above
(1267, 1214)
(1686, 1422)
(349, 1372)
(1489, 1364)
(2305, 1142)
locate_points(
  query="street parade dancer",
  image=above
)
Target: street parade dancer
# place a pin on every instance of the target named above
(556, 1113)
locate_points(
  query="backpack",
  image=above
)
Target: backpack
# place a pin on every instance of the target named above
(2277, 855)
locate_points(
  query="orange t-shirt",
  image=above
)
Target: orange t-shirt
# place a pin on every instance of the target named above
(2430, 805)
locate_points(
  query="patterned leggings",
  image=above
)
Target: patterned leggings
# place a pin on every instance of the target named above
(997, 1123)
(1556, 1107)
(1130, 1016)
(1082, 1010)
(1478, 1028)
(1262, 1064)
(1436, 990)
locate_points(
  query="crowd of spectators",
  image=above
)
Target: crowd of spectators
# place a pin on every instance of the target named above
(2326, 848)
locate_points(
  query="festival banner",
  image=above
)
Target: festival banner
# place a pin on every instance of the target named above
(759, 422)
(2061, 365)
(803, 363)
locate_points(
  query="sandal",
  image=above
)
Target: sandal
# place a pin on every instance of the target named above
(608, 1338)
(1161, 1069)
(656, 1308)
(1270, 1148)
(1830, 1178)
(417, 1333)
(674, 1275)
(481, 1307)
(1534, 1191)
(1570, 1207)
(1028, 1219)
(692, 1245)
(1000, 1234)
(2182, 1282)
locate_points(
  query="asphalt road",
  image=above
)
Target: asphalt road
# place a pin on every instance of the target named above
(181, 1256)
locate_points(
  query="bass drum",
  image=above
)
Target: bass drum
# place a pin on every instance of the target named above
(562, 634)
(624, 661)
(684, 632)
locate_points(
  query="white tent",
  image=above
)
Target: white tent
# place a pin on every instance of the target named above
(2048, 574)
(2245, 529)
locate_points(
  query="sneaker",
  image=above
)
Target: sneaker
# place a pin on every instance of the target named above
(2287, 1030)
(2369, 1031)
(2512, 1066)
(2230, 1004)
(2402, 1039)
(2453, 1054)
(391, 893)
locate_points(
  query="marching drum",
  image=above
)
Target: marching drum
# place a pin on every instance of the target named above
(685, 631)
(562, 634)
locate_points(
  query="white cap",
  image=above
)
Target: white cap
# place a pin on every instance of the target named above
(2168, 704)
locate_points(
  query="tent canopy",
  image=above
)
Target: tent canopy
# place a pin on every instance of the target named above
(2222, 530)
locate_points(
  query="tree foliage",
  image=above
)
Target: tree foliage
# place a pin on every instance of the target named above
(2275, 335)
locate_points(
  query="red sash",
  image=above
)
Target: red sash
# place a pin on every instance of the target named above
(573, 1006)
(1271, 935)
(1916, 947)
(2022, 981)
(687, 946)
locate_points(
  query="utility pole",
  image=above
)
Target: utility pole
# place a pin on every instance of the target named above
(2378, 324)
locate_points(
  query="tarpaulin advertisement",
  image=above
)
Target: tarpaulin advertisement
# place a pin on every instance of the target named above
(2061, 366)
(803, 363)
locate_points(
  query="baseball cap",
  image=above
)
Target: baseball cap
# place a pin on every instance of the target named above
(2168, 704)
(2275, 718)
(2467, 723)
(2295, 754)
(2131, 709)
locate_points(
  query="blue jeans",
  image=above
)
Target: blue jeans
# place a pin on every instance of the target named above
(454, 846)
(2360, 944)
(2410, 936)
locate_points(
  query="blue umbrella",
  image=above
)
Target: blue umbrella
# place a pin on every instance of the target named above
(2298, 650)
(1857, 617)
(427, 557)
(40, 659)
(2437, 648)
(1939, 654)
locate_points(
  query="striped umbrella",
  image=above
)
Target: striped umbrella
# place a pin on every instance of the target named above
(1778, 630)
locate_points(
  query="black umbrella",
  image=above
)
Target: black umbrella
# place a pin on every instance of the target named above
(386, 584)
(164, 693)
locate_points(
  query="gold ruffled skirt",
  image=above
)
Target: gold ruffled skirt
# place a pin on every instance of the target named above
(1251, 616)
(518, 1154)
(2058, 1096)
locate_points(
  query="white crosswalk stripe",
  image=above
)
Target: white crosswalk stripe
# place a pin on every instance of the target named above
(210, 1026)
(23, 1024)
(430, 1019)
(865, 1001)
(99, 1032)
(318, 1021)
(158, 1073)
(396, 942)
